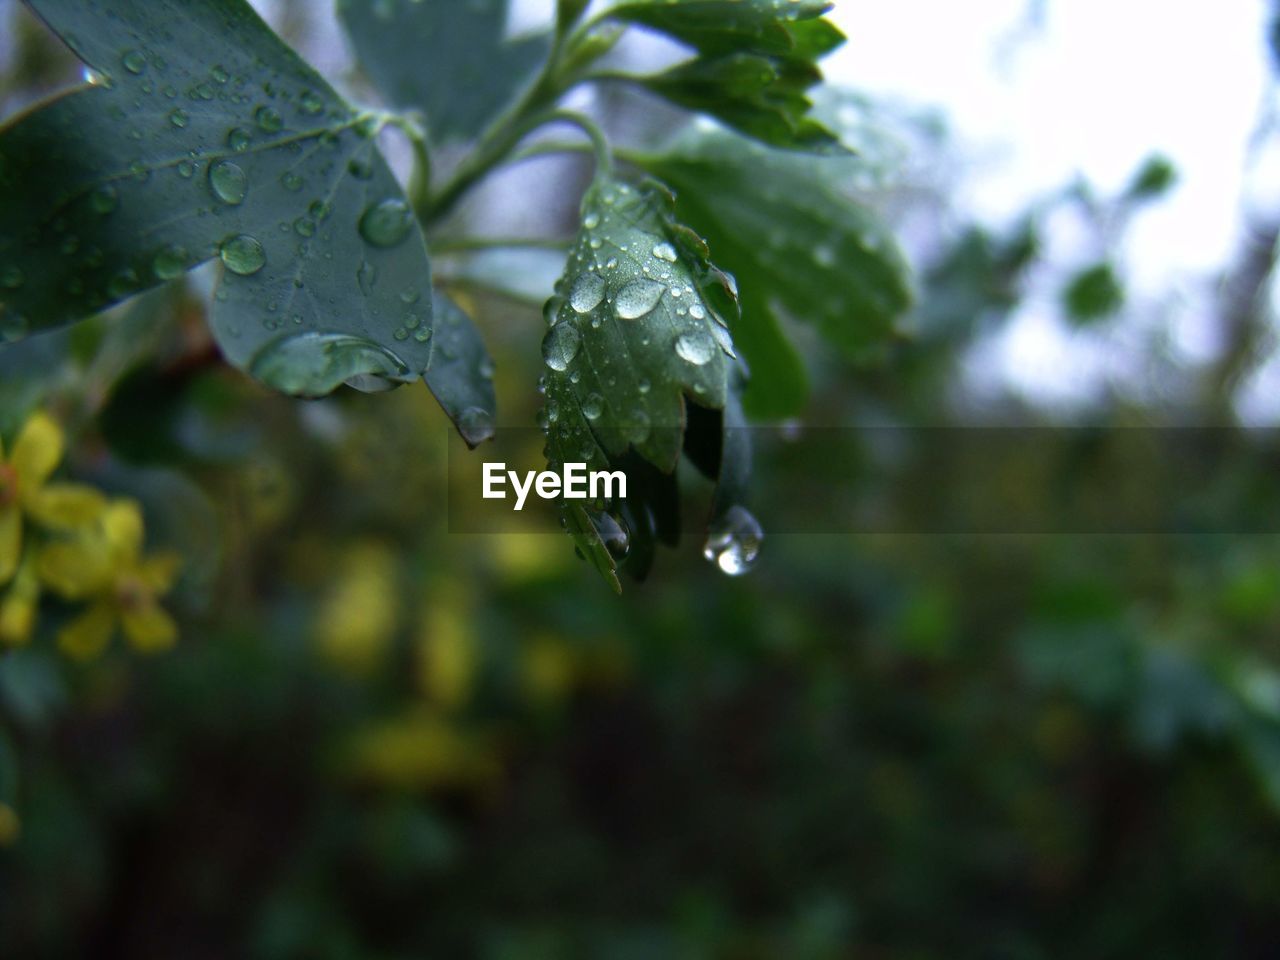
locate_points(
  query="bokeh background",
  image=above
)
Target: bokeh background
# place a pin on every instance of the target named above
(379, 739)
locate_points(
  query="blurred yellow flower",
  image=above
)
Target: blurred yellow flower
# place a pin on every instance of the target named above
(358, 619)
(423, 751)
(105, 565)
(447, 647)
(10, 825)
(18, 604)
(25, 488)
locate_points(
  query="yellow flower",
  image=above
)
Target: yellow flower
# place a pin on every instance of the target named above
(106, 565)
(25, 488)
(358, 620)
(18, 604)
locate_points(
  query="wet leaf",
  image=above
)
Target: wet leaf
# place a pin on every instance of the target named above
(461, 373)
(787, 227)
(205, 136)
(407, 47)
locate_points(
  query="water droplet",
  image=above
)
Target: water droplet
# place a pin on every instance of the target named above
(291, 181)
(310, 102)
(485, 368)
(593, 406)
(11, 277)
(229, 182)
(410, 295)
(319, 209)
(722, 337)
(219, 73)
(560, 346)
(665, 251)
(238, 139)
(304, 226)
(643, 385)
(386, 223)
(551, 310)
(366, 276)
(824, 256)
(170, 262)
(733, 542)
(695, 347)
(104, 199)
(311, 364)
(122, 284)
(476, 425)
(360, 167)
(134, 61)
(185, 169)
(575, 376)
(638, 298)
(178, 117)
(697, 312)
(268, 119)
(242, 254)
(587, 292)
(613, 534)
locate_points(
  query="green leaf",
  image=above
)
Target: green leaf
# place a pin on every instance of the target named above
(568, 13)
(447, 58)
(1093, 294)
(461, 374)
(207, 137)
(786, 226)
(637, 327)
(756, 60)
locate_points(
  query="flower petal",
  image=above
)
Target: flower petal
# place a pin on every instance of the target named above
(36, 452)
(18, 606)
(159, 571)
(66, 506)
(76, 569)
(149, 628)
(10, 541)
(122, 526)
(87, 635)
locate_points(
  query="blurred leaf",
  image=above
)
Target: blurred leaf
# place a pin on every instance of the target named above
(208, 137)
(756, 61)
(447, 59)
(796, 242)
(461, 373)
(1093, 294)
(1154, 178)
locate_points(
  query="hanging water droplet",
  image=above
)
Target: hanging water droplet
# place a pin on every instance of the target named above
(170, 262)
(665, 251)
(733, 541)
(242, 254)
(134, 61)
(268, 119)
(229, 182)
(386, 223)
(238, 139)
(104, 199)
(722, 337)
(560, 346)
(593, 406)
(613, 534)
(695, 347)
(311, 364)
(476, 425)
(638, 298)
(551, 310)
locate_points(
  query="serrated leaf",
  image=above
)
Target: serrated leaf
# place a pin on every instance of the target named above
(786, 227)
(461, 373)
(206, 136)
(635, 331)
(447, 58)
(756, 59)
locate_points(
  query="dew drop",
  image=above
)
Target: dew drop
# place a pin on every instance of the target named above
(695, 347)
(361, 168)
(476, 425)
(170, 262)
(733, 541)
(665, 251)
(386, 223)
(291, 181)
(238, 139)
(228, 181)
(366, 276)
(310, 102)
(593, 406)
(643, 386)
(311, 364)
(697, 312)
(242, 254)
(178, 117)
(613, 534)
(591, 220)
(638, 298)
(186, 169)
(304, 227)
(268, 119)
(104, 199)
(134, 61)
(587, 292)
(560, 346)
